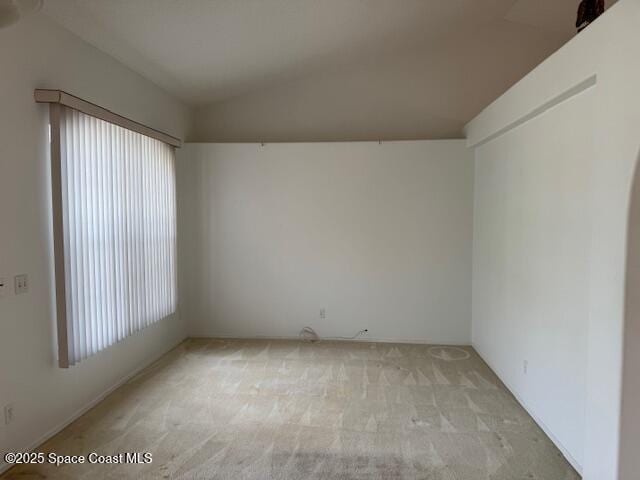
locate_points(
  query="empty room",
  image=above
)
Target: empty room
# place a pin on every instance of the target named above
(320, 239)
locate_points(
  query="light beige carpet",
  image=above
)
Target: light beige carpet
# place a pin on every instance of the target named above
(238, 409)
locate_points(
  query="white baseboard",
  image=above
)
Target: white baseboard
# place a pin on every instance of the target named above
(363, 339)
(4, 466)
(540, 423)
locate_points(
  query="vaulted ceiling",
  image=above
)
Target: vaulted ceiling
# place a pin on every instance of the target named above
(431, 64)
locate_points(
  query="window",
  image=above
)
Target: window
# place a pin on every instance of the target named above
(115, 212)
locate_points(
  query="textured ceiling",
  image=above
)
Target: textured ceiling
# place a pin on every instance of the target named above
(215, 51)
(206, 50)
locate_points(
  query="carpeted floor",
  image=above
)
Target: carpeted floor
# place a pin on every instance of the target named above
(264, 409)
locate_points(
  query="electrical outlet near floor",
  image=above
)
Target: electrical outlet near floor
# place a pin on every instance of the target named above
(21, 283)
(525, 366)
(8, 413)
(323, 313)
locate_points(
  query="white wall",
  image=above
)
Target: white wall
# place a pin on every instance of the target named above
(531, 264)
(379, 235)
(607, 52)
(408, 287)
(38, 54)
(630, 426)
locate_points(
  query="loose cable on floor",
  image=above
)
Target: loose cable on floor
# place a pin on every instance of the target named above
(309, 334)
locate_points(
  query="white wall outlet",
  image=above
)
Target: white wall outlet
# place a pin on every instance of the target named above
(21, 284)
(525, 366)
(8, 413)
(3, 287)
(323, 313)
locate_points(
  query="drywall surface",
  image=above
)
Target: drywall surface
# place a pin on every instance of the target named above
(378, 235)
(531, 264)
(630, 428)
(602, 59)
(416, 93)
(36, 53)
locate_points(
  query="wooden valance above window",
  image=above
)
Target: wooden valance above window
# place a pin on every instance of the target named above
(88, 108)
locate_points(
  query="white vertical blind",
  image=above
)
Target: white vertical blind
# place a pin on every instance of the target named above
(119, 222)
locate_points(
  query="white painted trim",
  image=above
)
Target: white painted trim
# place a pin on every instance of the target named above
(333, 339)
(530, 411)
(54, 431)
(536, 112)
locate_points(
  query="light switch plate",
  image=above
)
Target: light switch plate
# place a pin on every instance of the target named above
(21, 284)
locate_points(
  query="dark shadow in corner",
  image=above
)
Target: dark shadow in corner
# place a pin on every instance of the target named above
(630, 413)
